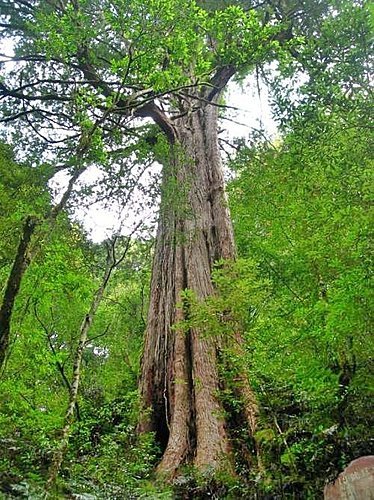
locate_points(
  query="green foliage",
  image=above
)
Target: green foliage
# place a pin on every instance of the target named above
(54, 298)
(149, 34)
(193, 484)
(23, 193)
(102, 59)
(162, 40)
(107, 455)
(332, 70)
(241, 292)
(301, 214)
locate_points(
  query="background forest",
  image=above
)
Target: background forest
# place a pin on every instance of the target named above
(300, 289)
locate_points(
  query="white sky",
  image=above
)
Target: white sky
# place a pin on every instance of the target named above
(254, 109)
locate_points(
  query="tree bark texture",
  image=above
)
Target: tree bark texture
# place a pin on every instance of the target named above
(179, 381)
(19, 267)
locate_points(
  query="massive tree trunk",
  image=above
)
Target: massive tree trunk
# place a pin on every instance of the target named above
(180, 380)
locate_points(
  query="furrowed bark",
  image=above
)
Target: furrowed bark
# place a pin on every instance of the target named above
(179, 446)
(179, 382)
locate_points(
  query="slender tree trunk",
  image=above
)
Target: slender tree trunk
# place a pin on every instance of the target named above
(19, 267)
(21, 262)
(74, 385)
(179, 380)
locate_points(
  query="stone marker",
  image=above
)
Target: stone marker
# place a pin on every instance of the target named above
(356, 482)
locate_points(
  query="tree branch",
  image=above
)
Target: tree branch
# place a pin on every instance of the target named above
(219, 80)
(151, 110)
(59, 366)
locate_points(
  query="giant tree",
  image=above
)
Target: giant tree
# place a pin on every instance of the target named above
(103, 66)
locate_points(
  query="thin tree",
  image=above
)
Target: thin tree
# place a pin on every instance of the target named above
(112, 262)
(20, 264)
(22, 260)
(25, 254)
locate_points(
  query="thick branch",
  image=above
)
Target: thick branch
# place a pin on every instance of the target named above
(151, 110)
(219, 80)
(6, 92)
